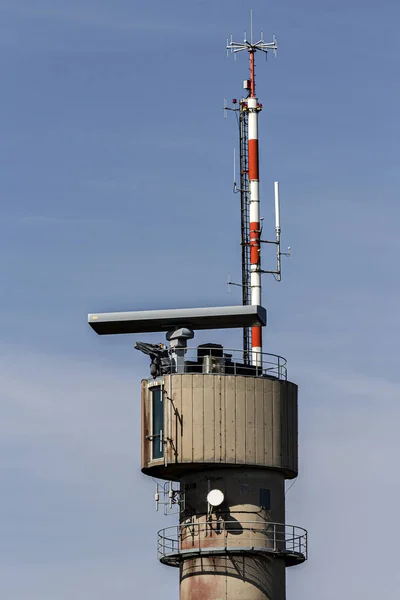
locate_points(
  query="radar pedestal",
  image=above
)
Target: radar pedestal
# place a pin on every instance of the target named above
(225, 432)
(178, 343)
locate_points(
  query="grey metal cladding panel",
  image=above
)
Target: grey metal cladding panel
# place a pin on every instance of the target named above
(210, 421)
(148, 321)
(259, 420)
(250, 447)
(240, 417)
(227, 420)
(197, 398)
(230, 418)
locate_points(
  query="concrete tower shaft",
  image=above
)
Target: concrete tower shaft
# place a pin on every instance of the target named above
(236, 434)
(234, 540)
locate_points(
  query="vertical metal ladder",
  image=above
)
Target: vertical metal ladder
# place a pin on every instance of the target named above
(245, 223)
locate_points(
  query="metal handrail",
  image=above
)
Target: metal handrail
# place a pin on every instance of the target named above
(210, 537)
(230, 361)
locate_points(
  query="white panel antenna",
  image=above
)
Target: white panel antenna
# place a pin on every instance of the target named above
(215, 498)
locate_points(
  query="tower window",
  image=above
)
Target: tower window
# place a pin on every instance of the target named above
(157, 422)
(265, 499)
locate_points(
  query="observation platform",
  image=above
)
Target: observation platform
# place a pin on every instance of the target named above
(211, 538)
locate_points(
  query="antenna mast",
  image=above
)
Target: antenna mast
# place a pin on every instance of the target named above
(249, 108)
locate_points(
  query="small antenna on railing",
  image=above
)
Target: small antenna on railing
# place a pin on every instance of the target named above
(275, 42)
(277, 241)
(171, 497)
(278, 221)
(234, 170)
(277, 230)
(277, 215)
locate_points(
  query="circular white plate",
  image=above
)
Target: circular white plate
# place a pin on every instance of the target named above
(215, 497)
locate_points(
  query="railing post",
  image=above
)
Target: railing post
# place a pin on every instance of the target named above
(225, 534)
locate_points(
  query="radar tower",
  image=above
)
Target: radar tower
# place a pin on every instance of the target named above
(219, 426)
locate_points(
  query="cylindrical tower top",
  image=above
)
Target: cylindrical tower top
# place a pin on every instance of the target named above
(194, 421)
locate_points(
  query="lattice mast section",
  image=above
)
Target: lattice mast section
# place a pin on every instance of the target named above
(245, 224)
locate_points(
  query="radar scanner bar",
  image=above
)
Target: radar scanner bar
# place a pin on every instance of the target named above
(151, 321)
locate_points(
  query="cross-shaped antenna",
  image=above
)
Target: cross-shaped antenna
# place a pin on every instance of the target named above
(261, 45)
(250, 46)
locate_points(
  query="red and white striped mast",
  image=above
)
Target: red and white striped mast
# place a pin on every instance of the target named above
(254, 107)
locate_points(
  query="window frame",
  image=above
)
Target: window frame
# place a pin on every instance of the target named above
(159, 435)
(266, 493)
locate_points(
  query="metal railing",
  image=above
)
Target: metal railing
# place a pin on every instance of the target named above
(228, 361)
(235, 537)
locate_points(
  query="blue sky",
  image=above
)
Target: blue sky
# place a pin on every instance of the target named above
(116, 177)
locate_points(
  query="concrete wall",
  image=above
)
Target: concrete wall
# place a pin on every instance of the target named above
(238, 524)
(224, 420)
(233, 578)
(241, 489)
